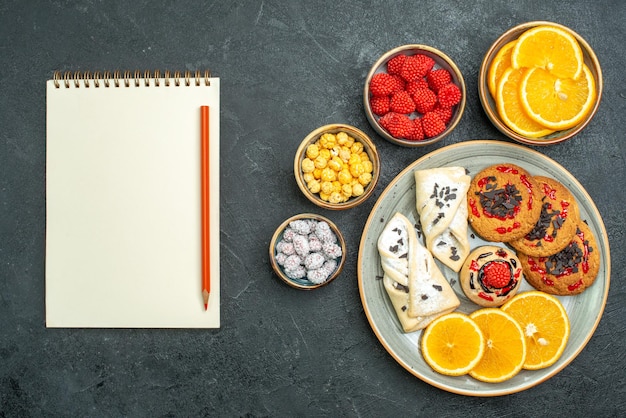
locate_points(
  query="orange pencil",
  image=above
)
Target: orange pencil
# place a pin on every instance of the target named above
(206, 227)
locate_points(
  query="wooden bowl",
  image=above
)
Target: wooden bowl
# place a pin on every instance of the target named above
(279, 239)
(368, 147)
(489, 104)
(441, 61)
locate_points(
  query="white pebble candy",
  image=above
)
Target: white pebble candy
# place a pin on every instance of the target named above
(330, 266)
(285, 247)
(315, 245)
(314, 261)
(324, 233)
(317, 276)
(301, 245)
(288, 234)
(292, 262)
(301, 226)
(297, 273)
(331, 250)
(280, 258)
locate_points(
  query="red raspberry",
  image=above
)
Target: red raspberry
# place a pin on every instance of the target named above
(416, 67)
(445, 113)
(401, 102)
(412, 86)
(383, 84)
(432, 124)
(394, 65)
(449, 95)
(425, 100)
(417, 133)
(496, 274)
(380, 104)
(399, 126)
(438, 78)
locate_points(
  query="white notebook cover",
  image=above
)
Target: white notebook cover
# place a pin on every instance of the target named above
(123, 207)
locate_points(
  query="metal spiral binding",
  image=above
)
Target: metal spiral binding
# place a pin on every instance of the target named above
(118, 78)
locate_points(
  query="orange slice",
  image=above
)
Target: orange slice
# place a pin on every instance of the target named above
(452, 344)
(510, 108)
(545, 324)
(551, 48)
(554, 102)
(500, 62)
(505, 346)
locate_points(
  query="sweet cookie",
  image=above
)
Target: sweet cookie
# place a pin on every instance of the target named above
(557, 222)
(504, 203)
(568, 272)
(491, 275)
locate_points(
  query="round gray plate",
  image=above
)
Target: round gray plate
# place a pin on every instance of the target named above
(584, 310)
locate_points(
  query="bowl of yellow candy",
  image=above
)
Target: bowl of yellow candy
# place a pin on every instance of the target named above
(337, 166)
(540, 83)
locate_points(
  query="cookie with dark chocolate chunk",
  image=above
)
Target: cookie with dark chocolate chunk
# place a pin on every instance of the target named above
(557, 223)
(504, 203)
(568, 272)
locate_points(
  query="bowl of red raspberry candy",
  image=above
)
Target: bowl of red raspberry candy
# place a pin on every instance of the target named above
(414, 95)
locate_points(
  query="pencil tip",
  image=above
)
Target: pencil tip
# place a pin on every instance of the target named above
(206, 306)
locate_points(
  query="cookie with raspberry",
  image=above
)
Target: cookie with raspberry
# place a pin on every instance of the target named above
(568, 272)
(504, 203)
(557, 222)
(490, 275)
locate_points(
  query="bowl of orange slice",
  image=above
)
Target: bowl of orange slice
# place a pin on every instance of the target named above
(540, 83)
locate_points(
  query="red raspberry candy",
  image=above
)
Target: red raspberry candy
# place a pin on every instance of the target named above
(380, 104)
(425, 100)
(432, 124)
(416, 67)
(401, 102)
(383, 84)
(399, 126)
(496, 274)
(413, 86)
(417, 133)
(449, 95)
(438, 78)
(445, 113)
(394, 65)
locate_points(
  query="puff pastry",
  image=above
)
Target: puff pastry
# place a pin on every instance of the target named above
(416, 287)
(441, 203)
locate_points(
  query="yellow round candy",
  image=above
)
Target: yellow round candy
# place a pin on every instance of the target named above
(328, 174)
(344, 154)
(317, 173)
(336, 164)
(357, 190)
(325, 153)
(354, 158)
(312, 151)
(342, 138)
(307, 177)
(356, 169)
(368, 167)
(320, 162)
(346, 189)
(364, 156)
(365, 179)
(356, 148)
(344, 176)
(335, 197)
(324, 196)
(308, 165)
(327, 141)
(326, 187)
(314, 186)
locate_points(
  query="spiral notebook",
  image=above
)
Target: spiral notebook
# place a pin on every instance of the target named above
(123, 200)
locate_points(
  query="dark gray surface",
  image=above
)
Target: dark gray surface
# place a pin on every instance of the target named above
(286, 68)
